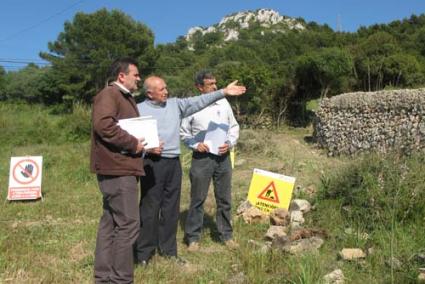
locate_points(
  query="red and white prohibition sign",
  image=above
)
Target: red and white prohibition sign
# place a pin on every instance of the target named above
(25, 171)
(25, 178)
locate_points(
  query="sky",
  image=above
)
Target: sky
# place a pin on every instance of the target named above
(26, 26)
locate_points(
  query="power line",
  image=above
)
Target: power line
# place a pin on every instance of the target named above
(18, 63)
(7, 67)
(23, 61)
(41, 22)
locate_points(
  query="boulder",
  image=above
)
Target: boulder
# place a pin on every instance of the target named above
(275, 231)
(279, 242)
(300, 205)
(335, 277)
(303, 245)
(297, 219)
(245, 205)
(254, 215)
(279, 217)
(304, 233)
(352, 254)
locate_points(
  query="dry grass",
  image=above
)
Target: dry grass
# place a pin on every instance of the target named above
(53, 241)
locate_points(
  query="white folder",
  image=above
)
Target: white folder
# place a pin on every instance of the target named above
(216, 136)
(142, 127)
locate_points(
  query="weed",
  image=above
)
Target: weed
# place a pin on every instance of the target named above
(375, 202)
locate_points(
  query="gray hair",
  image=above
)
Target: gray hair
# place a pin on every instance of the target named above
(202, 75)
(145, 88)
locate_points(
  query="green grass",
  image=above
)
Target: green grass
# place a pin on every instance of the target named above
(313, 104)
(52, 241)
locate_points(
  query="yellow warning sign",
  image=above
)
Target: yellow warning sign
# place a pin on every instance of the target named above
(232, 157)
(270, 190)
(269, 193)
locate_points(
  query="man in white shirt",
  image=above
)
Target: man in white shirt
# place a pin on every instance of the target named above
(206, 166)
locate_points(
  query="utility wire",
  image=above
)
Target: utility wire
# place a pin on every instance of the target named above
(23, 61)
(41, 22)
(88, 61)
(17, 63)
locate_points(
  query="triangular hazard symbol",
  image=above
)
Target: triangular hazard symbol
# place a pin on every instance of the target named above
(269, 193)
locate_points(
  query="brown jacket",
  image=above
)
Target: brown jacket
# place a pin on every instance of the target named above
(113, 149)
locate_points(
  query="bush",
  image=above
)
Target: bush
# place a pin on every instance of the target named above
(24, 124)
(380, 189)
(256, 142)
(76, 126)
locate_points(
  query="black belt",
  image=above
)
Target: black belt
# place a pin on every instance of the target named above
(158, 157)
(200, 155)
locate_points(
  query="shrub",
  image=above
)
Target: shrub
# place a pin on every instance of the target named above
(34, 124)
(380, 189)
(256, 142)
(76, 126)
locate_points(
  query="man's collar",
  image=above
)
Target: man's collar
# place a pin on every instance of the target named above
(122, 88)
(154, 103)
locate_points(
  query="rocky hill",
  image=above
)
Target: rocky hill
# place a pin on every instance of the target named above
(229, 27)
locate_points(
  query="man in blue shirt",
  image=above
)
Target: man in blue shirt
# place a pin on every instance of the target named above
(161, 187)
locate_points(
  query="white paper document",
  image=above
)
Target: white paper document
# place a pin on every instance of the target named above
(216, 136)
(142, 127)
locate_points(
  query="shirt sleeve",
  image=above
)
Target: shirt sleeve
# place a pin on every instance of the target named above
(233, 133)
(188, 106)
(186, 134)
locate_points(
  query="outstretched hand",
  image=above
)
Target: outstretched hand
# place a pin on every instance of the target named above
(234, 90)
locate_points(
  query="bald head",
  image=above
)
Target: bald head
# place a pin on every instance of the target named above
(155, 89)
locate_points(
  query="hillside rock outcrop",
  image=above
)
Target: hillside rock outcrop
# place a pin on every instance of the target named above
(231, 25)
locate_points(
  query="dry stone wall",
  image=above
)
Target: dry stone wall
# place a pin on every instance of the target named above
(373, 121)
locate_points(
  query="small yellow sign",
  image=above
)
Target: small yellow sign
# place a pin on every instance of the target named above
(232, 157)
(269, 190)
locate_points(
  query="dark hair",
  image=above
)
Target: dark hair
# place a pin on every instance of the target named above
(120, 65)
(202, 75)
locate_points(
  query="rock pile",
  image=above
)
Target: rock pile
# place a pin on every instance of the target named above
(285, 233)
(374, 121)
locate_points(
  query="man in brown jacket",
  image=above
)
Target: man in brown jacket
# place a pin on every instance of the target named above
(116, 159)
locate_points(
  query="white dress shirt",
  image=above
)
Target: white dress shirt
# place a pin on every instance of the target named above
(194, 127)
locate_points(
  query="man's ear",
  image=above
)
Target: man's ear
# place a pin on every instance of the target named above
(121, 77)
(199, 87)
